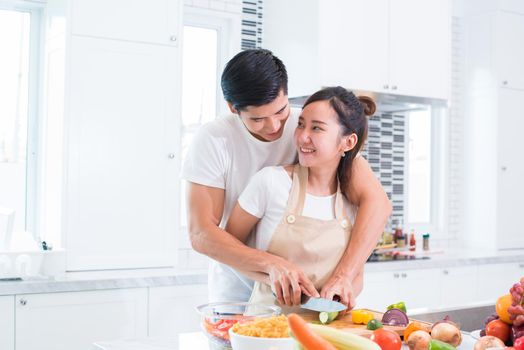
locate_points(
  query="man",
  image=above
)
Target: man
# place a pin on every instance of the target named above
(223, 157)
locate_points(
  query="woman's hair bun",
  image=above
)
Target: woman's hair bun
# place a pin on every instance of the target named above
(369, 105)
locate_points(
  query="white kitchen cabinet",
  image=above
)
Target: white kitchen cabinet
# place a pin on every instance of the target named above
(7, 324)
(457, 286)
(420, 47)
(495, 280)
(509, 52)
(172, 309)
(509, 228)
(151, 21)
(354, 44)
(122, 163)
(399, 47)
(494, 166)
(417, 288)
(380, 290)
(65, 321)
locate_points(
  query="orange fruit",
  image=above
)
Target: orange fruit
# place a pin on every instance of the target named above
(502, 308)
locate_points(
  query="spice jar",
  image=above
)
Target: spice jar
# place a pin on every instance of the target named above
(425, 241)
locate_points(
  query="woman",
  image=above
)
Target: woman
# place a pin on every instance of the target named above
(299, 211)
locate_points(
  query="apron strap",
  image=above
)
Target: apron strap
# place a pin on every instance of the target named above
(297, 196)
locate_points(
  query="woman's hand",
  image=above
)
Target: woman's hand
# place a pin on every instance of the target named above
(342, 288)
(289, 282)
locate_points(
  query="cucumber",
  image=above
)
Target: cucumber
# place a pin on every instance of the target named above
(327, 317)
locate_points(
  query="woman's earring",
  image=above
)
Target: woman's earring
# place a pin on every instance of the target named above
(343, 154)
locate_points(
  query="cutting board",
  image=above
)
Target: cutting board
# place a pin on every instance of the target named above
(344, 323)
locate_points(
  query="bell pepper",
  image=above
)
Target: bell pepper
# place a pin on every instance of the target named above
(400, 305)
(361, 316)
(374, 324)
(440, 345)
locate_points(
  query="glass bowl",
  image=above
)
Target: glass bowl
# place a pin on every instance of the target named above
(217, 318)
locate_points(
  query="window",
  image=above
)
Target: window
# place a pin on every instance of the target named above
(426, 145)
(419, 169)
(19, 40)
(199, 89)
(209, 41)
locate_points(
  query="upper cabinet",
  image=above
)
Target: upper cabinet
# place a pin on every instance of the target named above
(153, 21)
(509, 54)
(399, 47)
(121, 124)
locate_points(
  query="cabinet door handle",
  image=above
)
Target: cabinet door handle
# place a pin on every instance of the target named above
(521, 266)
(171, 156)
(173, 38)
(23, 302)
(504, 82)
(396, 275)
(446, 272)
(404, 275)
(386, 86)
(393, 87)
(503, 168)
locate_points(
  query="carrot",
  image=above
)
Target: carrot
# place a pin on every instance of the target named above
(306, 336)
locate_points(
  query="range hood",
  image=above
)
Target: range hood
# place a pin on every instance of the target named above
(388, 103)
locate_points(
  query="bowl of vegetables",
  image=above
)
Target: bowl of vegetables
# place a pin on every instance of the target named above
(218, 318)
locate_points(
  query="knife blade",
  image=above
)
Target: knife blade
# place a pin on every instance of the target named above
(321, 304)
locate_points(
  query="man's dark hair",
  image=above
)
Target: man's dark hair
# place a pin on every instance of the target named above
(253, 78)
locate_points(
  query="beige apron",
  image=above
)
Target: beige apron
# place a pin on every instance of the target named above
(314, 245)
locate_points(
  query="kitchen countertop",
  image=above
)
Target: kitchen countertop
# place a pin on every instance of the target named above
(139, 278)
(198, 341)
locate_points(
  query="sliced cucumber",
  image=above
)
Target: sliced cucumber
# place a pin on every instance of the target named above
(327, 317)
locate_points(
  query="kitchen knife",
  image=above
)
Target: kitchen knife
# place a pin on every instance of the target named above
(321, 304)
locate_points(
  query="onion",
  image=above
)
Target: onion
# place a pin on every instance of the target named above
(418, 340)
(395, 317)
(447, 333)
(488, 342)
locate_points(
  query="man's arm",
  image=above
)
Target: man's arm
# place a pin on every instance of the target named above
(374, 209)
(205, 208)
(365, 191)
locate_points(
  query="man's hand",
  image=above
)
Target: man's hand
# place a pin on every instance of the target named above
(289, 282)
(339, 286)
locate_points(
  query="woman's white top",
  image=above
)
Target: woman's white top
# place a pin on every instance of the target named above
(266, 197)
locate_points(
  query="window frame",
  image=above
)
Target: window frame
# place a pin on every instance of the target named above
(227, 26)
(34, 103)
(438, 168)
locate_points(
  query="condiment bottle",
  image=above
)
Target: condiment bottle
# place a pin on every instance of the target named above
(425, 241)
(399, 235)
(412, 241)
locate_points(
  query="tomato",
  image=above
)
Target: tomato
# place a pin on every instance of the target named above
(519, 344)
(219, 328)
(502, 308)
(386, 339)
(499, 329)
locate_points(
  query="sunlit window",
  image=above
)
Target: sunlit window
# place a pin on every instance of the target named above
(419, 167)
(199, 88)
(14, 104)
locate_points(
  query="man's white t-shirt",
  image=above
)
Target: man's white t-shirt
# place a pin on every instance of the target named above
(266, 197)
(223, 154)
